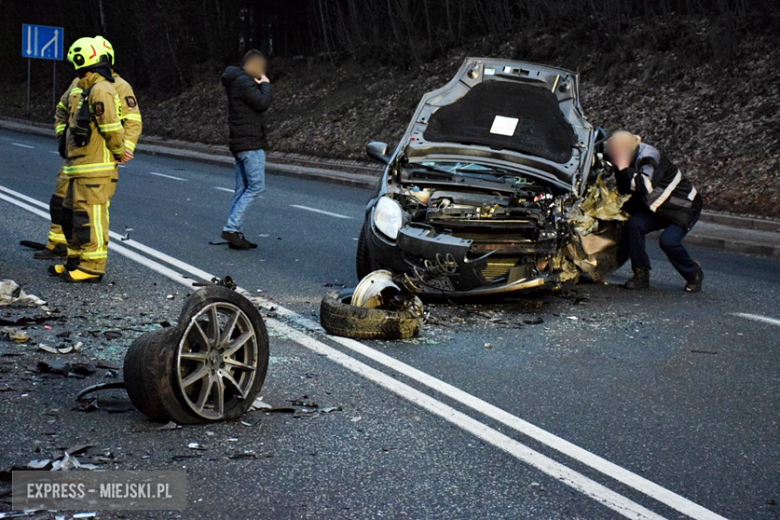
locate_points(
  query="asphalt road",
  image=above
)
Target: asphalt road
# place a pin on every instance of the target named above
(676, 388)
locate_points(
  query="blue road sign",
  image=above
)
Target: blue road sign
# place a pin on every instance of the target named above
(43, 42)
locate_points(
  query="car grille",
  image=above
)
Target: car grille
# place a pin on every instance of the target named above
(497, 268)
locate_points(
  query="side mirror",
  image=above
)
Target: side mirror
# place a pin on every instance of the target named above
(378, 151)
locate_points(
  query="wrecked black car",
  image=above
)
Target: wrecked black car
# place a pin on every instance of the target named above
(484, 193)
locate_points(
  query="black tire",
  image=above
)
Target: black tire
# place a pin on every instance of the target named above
(363, 255)
(198, 301)
(340, 318)
(147, 373)
(134, 372)
(159, 358)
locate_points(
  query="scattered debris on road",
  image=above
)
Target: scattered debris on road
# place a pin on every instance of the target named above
(15, 335)
(11, 293)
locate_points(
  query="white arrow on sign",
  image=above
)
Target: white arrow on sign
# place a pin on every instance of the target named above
(54, 41)
(29, 40)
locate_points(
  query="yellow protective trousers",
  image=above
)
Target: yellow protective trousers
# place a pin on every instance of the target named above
(56, 235)
(86, 222)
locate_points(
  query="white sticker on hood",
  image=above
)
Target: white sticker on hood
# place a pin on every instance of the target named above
(504, 125)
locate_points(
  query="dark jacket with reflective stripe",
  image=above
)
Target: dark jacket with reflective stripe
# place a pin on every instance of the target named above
(661, 187)
(246, 103)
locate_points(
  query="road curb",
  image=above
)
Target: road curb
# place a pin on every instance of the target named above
(734, 246)
(295, 169)
(369, 181)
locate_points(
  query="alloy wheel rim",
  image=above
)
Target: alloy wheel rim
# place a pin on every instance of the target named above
(216, 361)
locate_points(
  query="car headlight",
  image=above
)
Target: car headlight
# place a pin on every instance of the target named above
(388, 217)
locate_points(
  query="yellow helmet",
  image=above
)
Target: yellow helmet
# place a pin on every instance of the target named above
(104, 47)
(83, 53)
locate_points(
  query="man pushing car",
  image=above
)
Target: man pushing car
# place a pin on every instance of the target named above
(662, 199)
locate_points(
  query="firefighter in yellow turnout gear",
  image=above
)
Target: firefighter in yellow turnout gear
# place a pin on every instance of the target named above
(133, 126)
(94, 144)
(57, 246)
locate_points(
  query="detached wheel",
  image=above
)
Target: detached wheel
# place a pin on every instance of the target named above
(363, 256)
(340, 318)
(221, 358)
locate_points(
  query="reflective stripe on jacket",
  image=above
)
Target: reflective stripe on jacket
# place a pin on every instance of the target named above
(131, 114)
(98, 158)
(661, 186)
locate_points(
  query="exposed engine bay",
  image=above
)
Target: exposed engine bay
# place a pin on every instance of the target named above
(513, 233)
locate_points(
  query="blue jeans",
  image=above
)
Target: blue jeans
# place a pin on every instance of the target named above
(250, 183)
(644, 222)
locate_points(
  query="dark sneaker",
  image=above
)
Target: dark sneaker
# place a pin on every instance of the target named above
(237, 240)
(59, 251)
(694, 284)
(640, 280)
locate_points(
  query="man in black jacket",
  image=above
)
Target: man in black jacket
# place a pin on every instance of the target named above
(662, 199)
(249, 96)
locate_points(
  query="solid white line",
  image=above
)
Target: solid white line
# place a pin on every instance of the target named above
(556, 470)
(633, 480)
(224, 189)
(167, 176)
(322, 212)
(582, 455)
(533, 458)
(758, 317)
(20, 145)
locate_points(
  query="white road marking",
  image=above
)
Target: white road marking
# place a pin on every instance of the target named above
(167, 176)
(610, 469)
(224, 189)
(322, 212)
(20, 145)
(55, 152)
(758, 317)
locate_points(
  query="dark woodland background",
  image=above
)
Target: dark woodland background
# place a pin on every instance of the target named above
(697, 77)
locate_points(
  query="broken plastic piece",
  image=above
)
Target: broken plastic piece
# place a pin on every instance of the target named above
(102, 386)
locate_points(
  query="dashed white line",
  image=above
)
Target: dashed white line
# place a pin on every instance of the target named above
(522, 452)
(758, 317)
(167, 176)
(320, 211)
(20, 145)
(220, 188)
(55, 152)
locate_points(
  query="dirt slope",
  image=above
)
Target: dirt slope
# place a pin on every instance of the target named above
(709, 99)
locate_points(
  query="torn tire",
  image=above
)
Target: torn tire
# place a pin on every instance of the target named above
(340, 318)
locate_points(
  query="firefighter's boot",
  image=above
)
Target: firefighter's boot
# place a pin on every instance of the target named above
(52, 253)
(79, 276)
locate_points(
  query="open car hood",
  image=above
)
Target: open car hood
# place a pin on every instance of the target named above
(516, 115)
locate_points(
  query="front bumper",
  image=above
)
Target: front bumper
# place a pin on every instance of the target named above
(443, 265)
